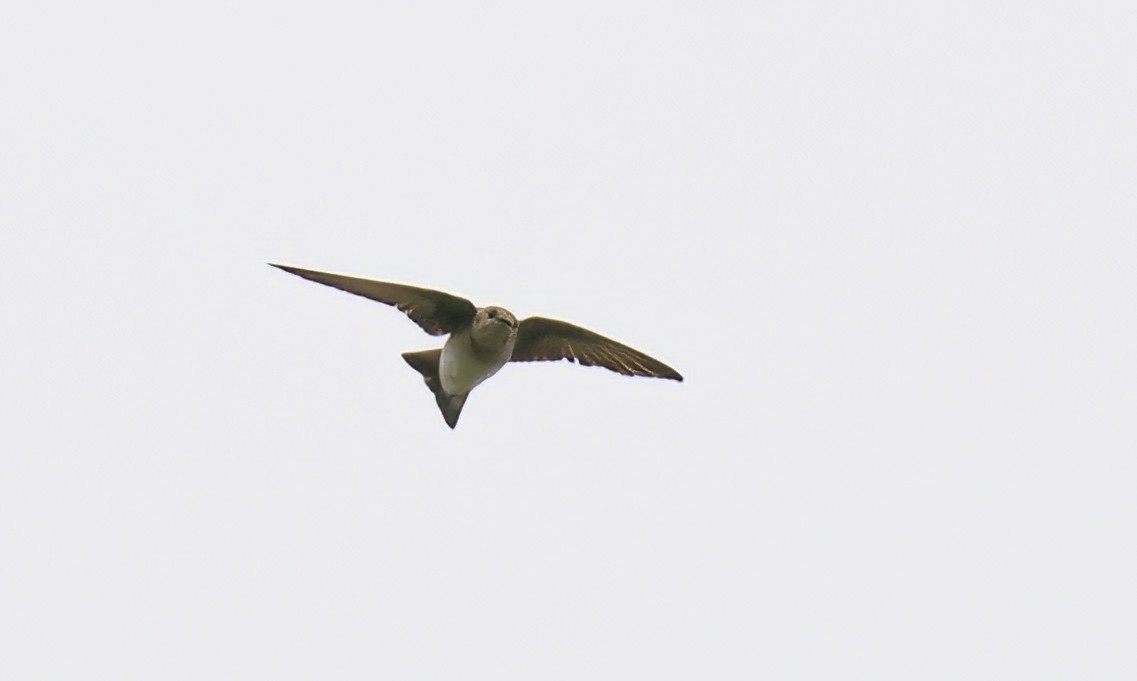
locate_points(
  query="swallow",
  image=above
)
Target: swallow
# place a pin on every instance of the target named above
(483, 339)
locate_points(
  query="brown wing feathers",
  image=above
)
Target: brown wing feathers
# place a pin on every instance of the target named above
(538, 338)
(436, 312)
(541, 339)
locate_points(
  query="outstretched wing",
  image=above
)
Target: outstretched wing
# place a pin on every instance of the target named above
(541, 339)
(436, 312)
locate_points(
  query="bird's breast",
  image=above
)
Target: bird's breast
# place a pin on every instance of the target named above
(462, 367)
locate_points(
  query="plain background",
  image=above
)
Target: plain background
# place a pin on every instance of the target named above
(890, 245)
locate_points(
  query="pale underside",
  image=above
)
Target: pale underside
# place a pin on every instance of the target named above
(461, 368)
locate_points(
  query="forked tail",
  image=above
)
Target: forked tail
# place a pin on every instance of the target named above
(426, 363)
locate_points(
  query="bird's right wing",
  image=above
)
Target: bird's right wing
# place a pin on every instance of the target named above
(436, 312)
(548, 339)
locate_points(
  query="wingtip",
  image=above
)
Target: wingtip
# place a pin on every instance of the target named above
(289, 269)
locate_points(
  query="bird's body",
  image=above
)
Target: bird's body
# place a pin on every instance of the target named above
(483, 339)
(472, 355)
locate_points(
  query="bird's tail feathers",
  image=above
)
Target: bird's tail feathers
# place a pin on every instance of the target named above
(426, 363)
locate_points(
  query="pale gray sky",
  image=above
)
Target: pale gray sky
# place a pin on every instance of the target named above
(890, 245)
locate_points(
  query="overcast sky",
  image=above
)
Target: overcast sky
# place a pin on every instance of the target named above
(891, 247)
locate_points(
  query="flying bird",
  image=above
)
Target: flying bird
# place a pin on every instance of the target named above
(483, 339)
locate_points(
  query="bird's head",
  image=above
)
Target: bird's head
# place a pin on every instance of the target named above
(494, 325)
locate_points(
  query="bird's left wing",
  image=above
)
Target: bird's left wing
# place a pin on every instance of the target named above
(549, 339)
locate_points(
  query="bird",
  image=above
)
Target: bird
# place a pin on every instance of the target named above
(483, 339)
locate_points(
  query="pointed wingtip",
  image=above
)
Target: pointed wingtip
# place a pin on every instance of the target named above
(297, 271)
